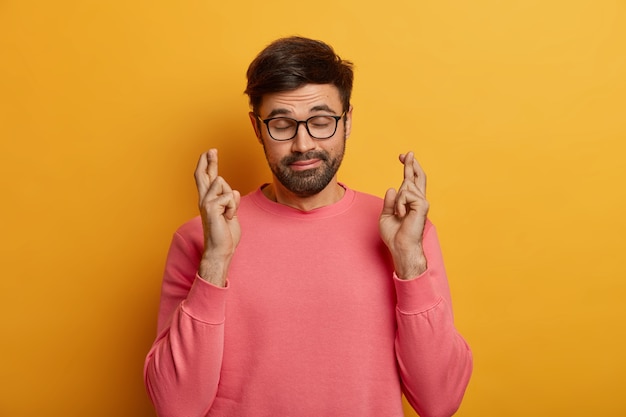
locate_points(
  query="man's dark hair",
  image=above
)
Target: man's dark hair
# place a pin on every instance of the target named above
(289, 63)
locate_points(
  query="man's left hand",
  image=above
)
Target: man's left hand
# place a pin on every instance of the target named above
(403, 218)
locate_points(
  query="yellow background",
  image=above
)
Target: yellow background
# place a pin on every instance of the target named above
(516, 109)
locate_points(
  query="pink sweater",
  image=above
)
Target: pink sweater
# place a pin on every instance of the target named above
(312, 322)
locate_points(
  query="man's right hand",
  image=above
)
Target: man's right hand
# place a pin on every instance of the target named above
(218, 204)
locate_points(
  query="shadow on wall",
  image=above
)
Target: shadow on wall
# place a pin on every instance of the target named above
(241, 159)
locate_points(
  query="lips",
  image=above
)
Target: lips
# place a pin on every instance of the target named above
(305, 164)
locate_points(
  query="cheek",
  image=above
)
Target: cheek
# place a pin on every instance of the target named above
(274, 151)
(336, 147)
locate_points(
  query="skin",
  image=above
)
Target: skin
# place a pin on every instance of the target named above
(404, 210)
(300, 104)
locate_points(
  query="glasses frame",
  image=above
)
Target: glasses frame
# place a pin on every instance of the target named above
(298, 123)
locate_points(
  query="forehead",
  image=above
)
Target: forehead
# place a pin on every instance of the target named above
(307, 99)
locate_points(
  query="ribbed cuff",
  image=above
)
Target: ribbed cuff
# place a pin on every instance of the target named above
(206, 302)
(416, 295)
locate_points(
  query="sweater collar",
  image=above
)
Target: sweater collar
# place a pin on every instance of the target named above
(334, 209)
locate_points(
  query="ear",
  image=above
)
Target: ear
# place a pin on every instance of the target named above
(255, 126)
(348, 123)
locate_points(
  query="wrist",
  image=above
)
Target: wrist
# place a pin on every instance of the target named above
(214, 271)
(411, 269)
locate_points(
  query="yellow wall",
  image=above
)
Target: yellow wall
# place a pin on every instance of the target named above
(516, 109)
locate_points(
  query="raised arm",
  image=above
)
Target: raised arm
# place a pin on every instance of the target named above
(434, 360)
(183, 366)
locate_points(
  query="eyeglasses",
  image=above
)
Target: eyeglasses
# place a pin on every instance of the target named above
(286, 128)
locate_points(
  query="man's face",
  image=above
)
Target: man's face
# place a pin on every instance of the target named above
(303, 165)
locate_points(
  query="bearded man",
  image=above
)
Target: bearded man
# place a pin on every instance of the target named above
(305, 297)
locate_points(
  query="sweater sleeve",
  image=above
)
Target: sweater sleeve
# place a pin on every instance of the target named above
(435, 361)
(182, 368)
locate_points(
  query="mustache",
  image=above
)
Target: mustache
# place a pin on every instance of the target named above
(305, 156)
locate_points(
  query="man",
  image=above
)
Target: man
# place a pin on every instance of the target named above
(305, 298)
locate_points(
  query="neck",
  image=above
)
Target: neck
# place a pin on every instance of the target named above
(329, 195)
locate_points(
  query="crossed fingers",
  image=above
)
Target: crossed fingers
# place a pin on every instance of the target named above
(205, 173)
(412, 192)
(212, 188)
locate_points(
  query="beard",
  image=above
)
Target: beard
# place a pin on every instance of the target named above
(311, 181)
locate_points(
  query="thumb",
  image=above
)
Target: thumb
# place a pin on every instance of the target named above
(389, 203)
(233, 204)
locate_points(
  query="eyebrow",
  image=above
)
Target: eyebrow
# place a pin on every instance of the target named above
(283, 111)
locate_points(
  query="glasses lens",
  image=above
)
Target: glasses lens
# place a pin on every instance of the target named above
(282, 128)
(322, 127)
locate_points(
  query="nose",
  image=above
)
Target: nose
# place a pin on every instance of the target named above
(302, 142)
